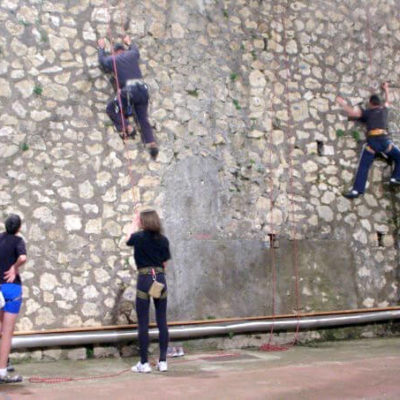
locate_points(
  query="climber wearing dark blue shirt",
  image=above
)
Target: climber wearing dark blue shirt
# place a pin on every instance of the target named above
(134, 94)
(378, 141)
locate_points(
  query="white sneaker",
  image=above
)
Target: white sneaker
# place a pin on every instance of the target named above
(180, 352)
(171, 351)
(162, 366)
(139, 367)
(175, 353)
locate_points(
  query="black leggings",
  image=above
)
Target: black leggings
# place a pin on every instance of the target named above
(142, 311)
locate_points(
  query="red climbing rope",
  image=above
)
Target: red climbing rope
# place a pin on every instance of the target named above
(113, 55)
(38, 379)
(123, 23)
(291, 137)
(118, 88)
(369, 41)
(272, 240)
(369, 47)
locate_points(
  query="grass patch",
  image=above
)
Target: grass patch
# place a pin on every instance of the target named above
(260, 169)
(236, 104)
(44, 37)
(23, 22)
(194, 93)
(89, 352)
(38, 90)
(340, 132)
(356, 135)
(24, 146)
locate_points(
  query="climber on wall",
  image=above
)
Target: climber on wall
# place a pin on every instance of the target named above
(134, 95)
(378, 141)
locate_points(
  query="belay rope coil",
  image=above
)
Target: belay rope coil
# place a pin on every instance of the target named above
(38, 379)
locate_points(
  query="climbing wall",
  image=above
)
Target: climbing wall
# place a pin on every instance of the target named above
(254, 156)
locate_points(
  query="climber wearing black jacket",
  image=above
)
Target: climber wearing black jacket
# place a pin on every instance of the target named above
(134, 94)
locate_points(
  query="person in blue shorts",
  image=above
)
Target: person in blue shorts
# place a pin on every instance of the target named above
(12, 256)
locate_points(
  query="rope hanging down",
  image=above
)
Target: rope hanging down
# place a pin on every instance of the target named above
(118, 89)
(291, 137)
(38, 379)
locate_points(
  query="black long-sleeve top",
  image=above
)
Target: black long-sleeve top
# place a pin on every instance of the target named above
(127, 64)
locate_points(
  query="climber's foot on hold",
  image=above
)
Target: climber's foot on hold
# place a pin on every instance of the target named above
(353, 194)
(153, 150)
(130, 132)
(394, 182)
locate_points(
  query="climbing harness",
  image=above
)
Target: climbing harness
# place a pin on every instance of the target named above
(156, 288)
(376, 132)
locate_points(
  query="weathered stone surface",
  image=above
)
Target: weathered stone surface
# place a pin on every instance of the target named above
(73, 223)
(48, 281)
(5, 90)
(86, 190)
(77, 354)
(257, 79)
(244, 112)
(100, 352)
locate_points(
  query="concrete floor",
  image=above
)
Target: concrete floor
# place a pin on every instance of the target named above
(367, 369)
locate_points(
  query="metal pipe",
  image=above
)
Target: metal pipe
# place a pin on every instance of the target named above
(211, 329)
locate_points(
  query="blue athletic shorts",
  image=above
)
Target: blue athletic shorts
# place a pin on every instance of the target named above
(13, 296)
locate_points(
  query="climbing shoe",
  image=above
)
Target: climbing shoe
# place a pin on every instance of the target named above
(394, 182)
(131, 134)
(180, 352)
(353, 194)
(128, 135)
(153, 152)
(10, 379)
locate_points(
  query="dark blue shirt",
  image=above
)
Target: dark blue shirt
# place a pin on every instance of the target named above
(150, 250)
(127, 64)
(375, 118)
(11, 247)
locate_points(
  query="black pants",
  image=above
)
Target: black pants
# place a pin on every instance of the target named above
(142, 309)
(376, 144)
(135, 101)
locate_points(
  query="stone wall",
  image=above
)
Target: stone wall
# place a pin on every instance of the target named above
(242, 101)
